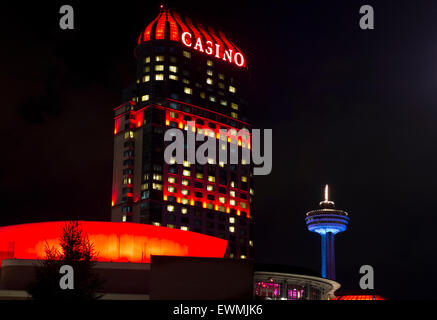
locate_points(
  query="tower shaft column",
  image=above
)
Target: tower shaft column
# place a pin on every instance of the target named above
(330, 263)
(324, 248)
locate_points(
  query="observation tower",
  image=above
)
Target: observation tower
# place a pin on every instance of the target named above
(327, 221)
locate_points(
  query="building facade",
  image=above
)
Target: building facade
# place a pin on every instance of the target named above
(193, 78)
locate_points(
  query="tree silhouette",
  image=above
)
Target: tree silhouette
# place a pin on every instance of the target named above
(76, 251)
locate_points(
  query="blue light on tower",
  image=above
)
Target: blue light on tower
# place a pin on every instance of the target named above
(327, 221)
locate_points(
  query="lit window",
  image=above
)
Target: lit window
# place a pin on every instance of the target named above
(171, 189)
(185, 182)
(185, 192)
(232, 89)
(221, 76)
(159, 58)
(146, 59)
(187, 163)
(211, 178)
(173, 59)
(202, 95)
(199, 175)
(146, 78)
(210, 160)
(243, 256)
(146, 69)
(222, 200)
(222, 209)
(173, 69)
(232, 184)
(159, 67)
(251, 243)
(184, 201)
(209, 72)
(222, 163)
(170, 226)
(188, 90)
(186, 173)
(252, 191)
(210, 187)
(156, 224)
(159, 77)
(223, 102)
(232, 229)
(157, 177)
(244, 178)
(232, 202)
(234, 106)
(172, 179)
(234, 115)
(173, 77)
(221, 85)
(186, 81)
(209, 81)
(174, 115)
(145, 97)
(243, 205)
(231, 220)
(210, 206)
(184, 210)
(232, 193)
(209, 63)
(187, 54)
(212, 98)
(157, 186)
(184, 228)
(170, 208)
(123, 218)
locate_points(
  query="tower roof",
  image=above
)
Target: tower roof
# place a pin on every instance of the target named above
(170, 25)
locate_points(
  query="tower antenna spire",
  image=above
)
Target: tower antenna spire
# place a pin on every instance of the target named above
(326, 193)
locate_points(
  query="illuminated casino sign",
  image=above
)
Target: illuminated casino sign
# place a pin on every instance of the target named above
(211, 48)
(169, 25)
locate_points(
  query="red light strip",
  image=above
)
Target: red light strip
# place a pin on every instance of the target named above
(228, 44)
(148, 30)
(192, 27)
(217, 40)
(160, 27)
(179, 21)
(174, 31)
(205, 34)
(221, 114)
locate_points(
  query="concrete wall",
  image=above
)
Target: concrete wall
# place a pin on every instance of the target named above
(189, 278)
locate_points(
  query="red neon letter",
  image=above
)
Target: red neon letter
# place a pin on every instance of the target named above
(208, 47)
(199, 44)
(241, 62)
(228, 54)
(184, 41)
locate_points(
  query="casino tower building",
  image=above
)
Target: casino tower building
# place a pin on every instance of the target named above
(191, 77)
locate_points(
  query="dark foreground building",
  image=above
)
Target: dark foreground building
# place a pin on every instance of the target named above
(186, 72)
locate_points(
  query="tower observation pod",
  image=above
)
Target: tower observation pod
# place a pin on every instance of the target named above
(327, 221)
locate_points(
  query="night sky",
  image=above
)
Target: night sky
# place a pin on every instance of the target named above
(352, 108)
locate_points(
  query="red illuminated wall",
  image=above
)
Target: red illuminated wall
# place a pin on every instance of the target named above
(114, 241)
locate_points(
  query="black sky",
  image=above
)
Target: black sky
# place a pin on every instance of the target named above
(352, 108)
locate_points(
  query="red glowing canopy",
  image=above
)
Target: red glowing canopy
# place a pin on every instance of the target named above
(114, 241)
(359, 297)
